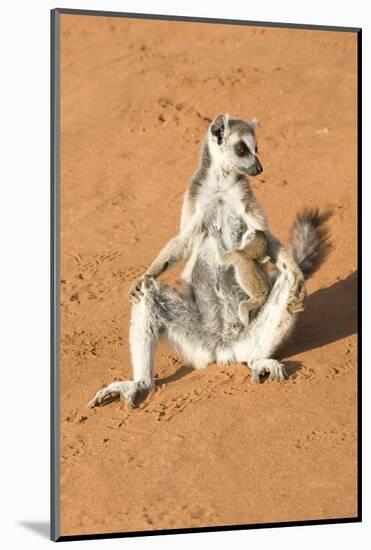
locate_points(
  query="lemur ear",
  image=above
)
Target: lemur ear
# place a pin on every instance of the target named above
(218, 128)
(253, 124)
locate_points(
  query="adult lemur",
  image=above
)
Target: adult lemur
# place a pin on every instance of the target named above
(203, 323)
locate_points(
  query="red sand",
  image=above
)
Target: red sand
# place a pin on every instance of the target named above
(207, 447)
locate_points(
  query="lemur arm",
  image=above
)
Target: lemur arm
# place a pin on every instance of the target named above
(188, 210)
(175, 250)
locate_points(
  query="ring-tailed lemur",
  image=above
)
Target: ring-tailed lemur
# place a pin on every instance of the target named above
(203, 324)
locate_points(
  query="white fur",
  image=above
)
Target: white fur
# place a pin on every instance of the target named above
(193, 356)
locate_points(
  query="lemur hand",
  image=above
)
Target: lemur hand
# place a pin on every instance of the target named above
(214, 232)
(298, 295)
(135, 292)
(247, 237)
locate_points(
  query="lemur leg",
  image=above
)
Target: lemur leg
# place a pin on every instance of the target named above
(161, 311)
(267, 331)
(254, 302)
(285, 262)
(254, 282)
(143, 336)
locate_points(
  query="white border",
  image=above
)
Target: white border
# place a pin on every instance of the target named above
(24, 219)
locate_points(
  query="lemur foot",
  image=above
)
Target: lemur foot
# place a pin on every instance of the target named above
(298, 293)
(138, 288)
(125, 390)
(297, 296)
(260, 366)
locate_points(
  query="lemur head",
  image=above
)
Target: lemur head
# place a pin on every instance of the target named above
(232, 144)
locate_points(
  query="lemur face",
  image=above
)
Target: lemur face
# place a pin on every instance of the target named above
(233, 145)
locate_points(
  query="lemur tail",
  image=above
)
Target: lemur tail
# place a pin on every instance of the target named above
(310, 242)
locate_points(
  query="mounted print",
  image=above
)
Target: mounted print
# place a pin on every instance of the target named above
(205, 204)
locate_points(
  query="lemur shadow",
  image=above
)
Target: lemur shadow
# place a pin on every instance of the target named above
(142, 396)
(182, 371)
(291, 367)
(330, 315)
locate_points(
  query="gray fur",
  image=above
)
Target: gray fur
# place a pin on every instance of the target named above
(200, 175)
(310, 240)
(241, 127)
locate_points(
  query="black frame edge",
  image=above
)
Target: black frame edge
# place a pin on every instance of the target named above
(54, 279)
(191, 19)
(214, 529)
(359, 273)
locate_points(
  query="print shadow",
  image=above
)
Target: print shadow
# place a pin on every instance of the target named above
(42, 528)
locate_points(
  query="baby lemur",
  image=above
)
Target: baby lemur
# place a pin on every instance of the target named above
(250, 275)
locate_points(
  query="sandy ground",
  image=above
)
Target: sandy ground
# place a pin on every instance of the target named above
(207, 447)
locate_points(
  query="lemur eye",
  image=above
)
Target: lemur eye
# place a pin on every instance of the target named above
(241, 149)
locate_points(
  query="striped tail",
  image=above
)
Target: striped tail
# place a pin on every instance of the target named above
(310, 240)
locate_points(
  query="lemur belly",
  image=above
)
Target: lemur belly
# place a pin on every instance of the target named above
(215, 288)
